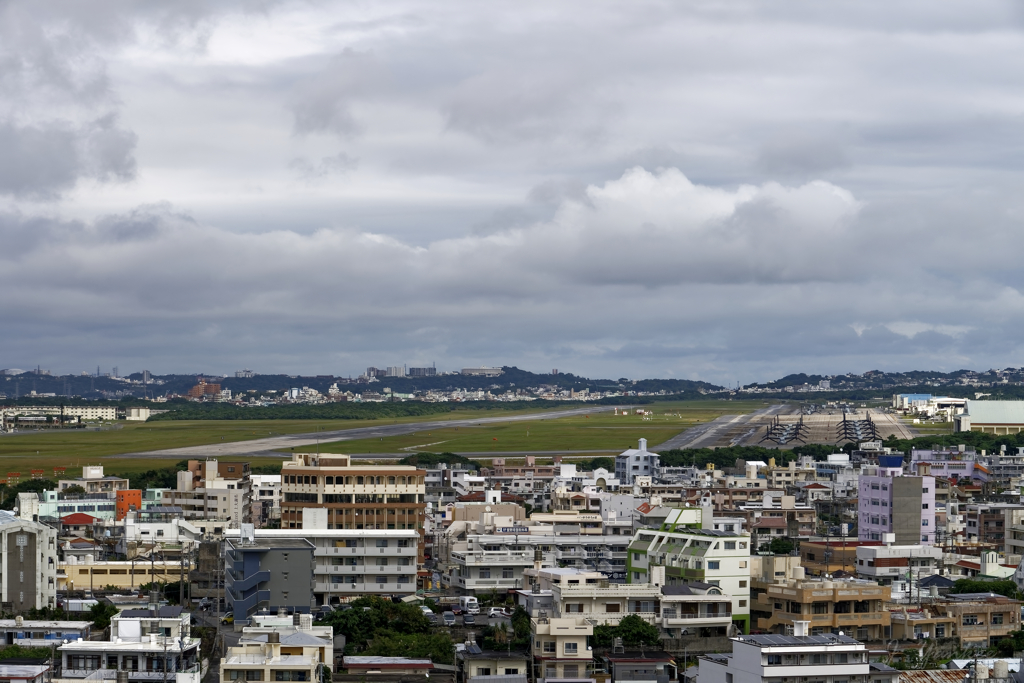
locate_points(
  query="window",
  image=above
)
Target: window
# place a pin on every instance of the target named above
(549, 647)
(570, 648)
(485, 573)
(970, 620)
(511, 672)
(730, 545)
(743, 584)
(254, 675)
(612, 607)
(382, 543)
(382, 579)
(743, 603)
(924, 506)
(841, 658)
(728, 678)
(996, 619)
(924, 522)
(403, 543)
(329, 481)
(713, 564)
(774, 660)
(483, 671)
(940, 631)
(507, 572)
(574, 608)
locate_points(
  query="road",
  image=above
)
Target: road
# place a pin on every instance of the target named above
(283, 442)
(709, 433)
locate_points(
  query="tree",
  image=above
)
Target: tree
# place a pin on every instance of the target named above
(73, 490)
(101, 613)
(778, 546)
(435, 646)
(1006, 587)
(380, 616)
(635, 631)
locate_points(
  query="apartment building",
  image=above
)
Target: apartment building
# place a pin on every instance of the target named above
(561, 650)
(779, 659)
(677, 610)
(696, 556)
(482, 666)
(824, 557)
(982, 619)
(852, 606)
(379, 497)
(636, 462)
(266, 498)
(29, 561)
(986, 522)
(36, 633)
(268, 573)
(900, 567)
(918, 623)
(147, 644)
(348, 563)
(94, 481)
(778, 516)
(213, 490)
(889, 502)
(272, 661)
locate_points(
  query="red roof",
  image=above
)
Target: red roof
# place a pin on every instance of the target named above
(969, 565)
(645, 508)
(816, 486)
(77, 518)
(771, 522)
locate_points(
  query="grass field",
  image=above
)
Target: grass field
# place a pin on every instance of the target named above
(72, 449)
(596, 432)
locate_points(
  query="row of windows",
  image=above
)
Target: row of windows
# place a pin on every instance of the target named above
(550, 647)
(339, 579)
(348, 481)
(275, 675)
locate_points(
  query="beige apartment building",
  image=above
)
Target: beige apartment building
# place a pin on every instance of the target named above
(982, 619)
(354, 496)
(560, 648)
(272, 661)
(853, 606)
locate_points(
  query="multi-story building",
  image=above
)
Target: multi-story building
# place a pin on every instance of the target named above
(561, 650)
(674, 609)
(268, 573)
(778, 516)
(348, 563)
(849, 605)
(890, 502)
(636, 462)
(266, 499)
(705, 556)
(206, 581)
(93, 481)
(121, 574)
(148, 644)
(790, 474)
(272, 661)
(379, 497)
(900, 567)
(29, 561)
(983, 619)
(921, 623)
(986, 522)
(209, 489)
(829, 658)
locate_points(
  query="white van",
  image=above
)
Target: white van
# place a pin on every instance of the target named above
(469, 604)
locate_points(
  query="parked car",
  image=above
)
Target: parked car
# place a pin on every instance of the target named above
(228, 618)
(456, 609)
(427, 612)
(448, 618)
(468, 620)
(496, 612)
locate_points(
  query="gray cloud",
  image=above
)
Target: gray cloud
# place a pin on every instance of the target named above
(694, 190)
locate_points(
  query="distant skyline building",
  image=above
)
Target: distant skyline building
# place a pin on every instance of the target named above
(245, 374)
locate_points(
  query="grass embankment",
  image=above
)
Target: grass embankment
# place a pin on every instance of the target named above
(596, 432)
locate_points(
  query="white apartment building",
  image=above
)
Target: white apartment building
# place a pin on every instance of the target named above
(900, 567)
(636, 462)
(782, 659)
(266, 498)
(94, 481)
(696, 556)
(149, 644)
(271, 661)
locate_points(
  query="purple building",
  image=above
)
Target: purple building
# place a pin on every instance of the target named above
(949, 464)
(890, 502)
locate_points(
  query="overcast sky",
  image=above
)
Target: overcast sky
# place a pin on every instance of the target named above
(719, 191)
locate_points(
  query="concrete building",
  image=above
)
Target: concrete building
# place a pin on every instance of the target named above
(266, 498)
(349, 563)
(983, 619)
(355, 496)
(36, 633)
(28, 557)
(777, 659)
(94, 481)
(97, 575)
(213, 490)
(829, 606)
(560, 650)
(273, 661)
(484, 666)
(700, 556)
(900, 567)
(889, 502)
(636, 462)
(149, 644)
(268, 573)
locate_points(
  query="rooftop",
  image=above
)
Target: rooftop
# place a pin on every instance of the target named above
(797, 641)
(387, 662)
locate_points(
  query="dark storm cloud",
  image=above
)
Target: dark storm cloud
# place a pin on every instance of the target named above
(722, 191)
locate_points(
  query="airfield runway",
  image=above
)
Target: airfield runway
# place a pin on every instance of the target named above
(267, 447)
